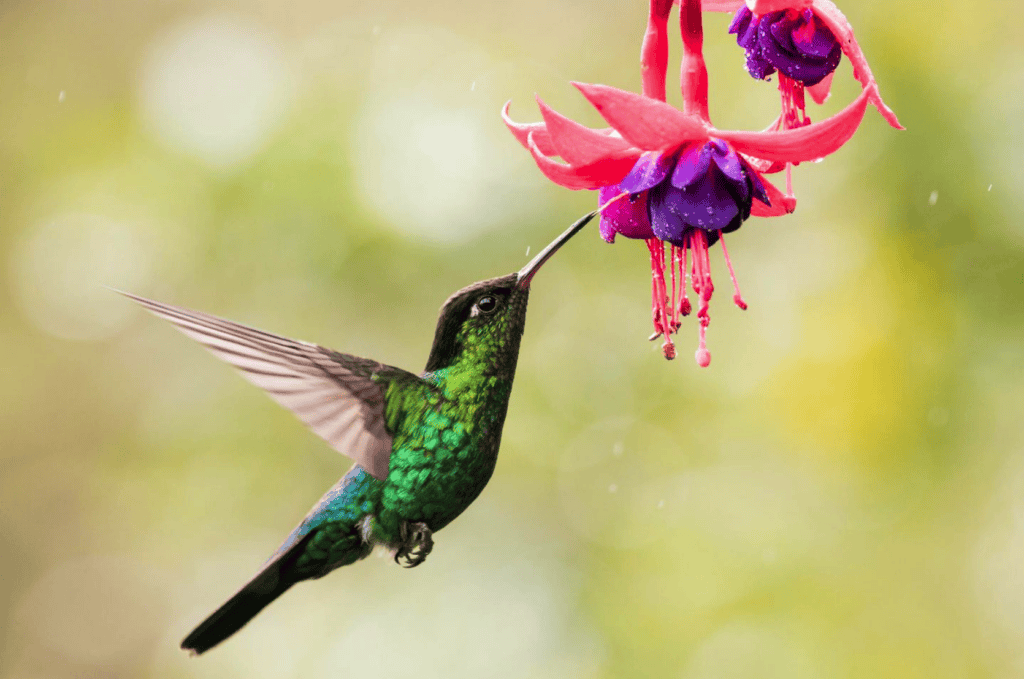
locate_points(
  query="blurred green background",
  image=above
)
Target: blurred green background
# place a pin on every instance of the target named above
(841, 494)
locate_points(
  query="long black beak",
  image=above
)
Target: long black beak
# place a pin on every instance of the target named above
(526, 274)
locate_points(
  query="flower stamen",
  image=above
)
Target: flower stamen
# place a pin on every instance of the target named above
(684, 303)
(659, 298)
(737, 298)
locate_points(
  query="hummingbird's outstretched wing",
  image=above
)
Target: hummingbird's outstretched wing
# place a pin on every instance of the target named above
(340, 397)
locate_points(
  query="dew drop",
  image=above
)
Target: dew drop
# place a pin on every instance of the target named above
(933, 198)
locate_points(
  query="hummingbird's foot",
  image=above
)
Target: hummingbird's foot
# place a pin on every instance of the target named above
(417, 541)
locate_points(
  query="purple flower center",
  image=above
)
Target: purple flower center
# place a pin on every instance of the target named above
(700, 186)
(794, 42)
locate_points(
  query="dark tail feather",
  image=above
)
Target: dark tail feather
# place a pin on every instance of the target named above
(270, 583)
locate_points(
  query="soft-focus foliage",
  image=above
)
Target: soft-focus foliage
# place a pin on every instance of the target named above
(841, 496)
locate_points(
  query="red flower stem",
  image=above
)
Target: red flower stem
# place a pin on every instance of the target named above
(693, 76)
(654, 51)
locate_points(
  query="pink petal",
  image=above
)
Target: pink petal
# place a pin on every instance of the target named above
(820, 92)
(803, 143)
(593, 176)
(579, 145)
(840, 27)
(521, 131)
(644, 122)
(781, 205)
(721, 5)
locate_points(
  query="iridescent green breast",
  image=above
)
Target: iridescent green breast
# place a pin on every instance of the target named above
(445, 450)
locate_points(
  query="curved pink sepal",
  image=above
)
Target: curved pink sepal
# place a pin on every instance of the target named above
(577, 144)
(644, 122)
(522, 131)
(837, 22)
(604, 172)
(781, 204)
(803, 143)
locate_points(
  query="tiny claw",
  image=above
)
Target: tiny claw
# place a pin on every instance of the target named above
(417, 543)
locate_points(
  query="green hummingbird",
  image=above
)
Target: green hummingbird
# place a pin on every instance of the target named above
(424, 445)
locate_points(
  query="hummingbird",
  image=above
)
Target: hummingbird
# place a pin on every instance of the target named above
(424, 446)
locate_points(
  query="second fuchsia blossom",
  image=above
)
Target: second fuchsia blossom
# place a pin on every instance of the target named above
(669, 176)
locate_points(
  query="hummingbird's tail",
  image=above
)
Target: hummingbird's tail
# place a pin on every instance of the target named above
(269, 583)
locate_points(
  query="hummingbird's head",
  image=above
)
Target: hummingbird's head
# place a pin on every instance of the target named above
(484, 322)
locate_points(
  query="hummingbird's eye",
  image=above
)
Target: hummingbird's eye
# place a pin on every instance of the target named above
(486, 304)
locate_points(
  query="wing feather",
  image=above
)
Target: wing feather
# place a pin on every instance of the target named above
(334, 394)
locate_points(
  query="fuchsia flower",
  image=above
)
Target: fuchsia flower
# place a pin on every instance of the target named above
(669, 176)
(803, 40)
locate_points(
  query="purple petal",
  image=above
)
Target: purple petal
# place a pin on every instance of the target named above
(756, 185)
(821, 43)
(741, 21)
(745, 27)
(758, 67)
(649, 171)
(728, 161)
(803, 50)
(627, 216)
(666, 222)
(692, 164)
(707, 205)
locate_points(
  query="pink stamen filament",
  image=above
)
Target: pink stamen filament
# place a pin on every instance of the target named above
(659, 298)
(736, 298)
(674, 320)
(794, 115)
(697, 240)
(684, 303)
